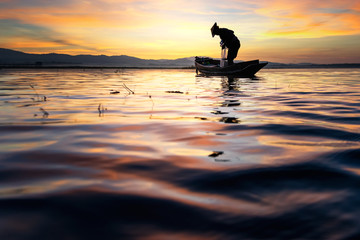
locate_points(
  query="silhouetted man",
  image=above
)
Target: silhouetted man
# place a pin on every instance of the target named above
(228, 40)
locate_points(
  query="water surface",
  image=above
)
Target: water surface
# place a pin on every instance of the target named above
(166, 154)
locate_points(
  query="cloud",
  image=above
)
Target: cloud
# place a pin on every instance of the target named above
(311, 19)
(11, 4)
(168, 28)
(14, 29)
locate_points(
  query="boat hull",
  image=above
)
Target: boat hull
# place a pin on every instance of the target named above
(210, 66)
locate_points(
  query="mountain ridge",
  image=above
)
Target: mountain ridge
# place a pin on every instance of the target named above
(14, 58)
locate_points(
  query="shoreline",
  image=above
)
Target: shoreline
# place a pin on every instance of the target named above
(85, 67)
(269, 66)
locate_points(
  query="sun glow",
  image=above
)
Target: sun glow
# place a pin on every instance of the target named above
(169, 29)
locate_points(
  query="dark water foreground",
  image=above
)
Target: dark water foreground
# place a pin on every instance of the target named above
(163, 154)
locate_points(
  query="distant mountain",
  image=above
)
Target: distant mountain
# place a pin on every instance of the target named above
(13, 58)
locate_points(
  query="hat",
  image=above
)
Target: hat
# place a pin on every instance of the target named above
(215, 26)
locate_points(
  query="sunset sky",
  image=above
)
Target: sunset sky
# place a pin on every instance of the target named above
(271, 30)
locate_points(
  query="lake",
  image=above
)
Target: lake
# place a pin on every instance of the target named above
(166, 154)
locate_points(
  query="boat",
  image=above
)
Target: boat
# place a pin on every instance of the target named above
(209, 66)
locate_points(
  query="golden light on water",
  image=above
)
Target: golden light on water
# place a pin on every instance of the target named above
(180, 155)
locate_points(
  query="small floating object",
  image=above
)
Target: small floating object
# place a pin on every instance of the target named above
(128, 89)
(45, 113)
(216, 153)
(219, 112)
(202, 118)
(230, 120)
(114, 92)
(175, 92)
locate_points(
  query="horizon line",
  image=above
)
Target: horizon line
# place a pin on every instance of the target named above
(288, 63)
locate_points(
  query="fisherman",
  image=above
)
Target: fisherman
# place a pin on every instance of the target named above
(229, 40)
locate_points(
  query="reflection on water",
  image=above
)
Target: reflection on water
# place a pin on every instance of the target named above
(166, 154)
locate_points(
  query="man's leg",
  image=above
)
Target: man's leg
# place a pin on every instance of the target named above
(232, 55)
(233, 51)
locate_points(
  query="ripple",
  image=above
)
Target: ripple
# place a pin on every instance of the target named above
(298, 130)
(184, 157)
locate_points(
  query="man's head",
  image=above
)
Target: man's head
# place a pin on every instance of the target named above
(214, 30)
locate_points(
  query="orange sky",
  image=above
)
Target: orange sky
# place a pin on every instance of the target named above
(279, 31)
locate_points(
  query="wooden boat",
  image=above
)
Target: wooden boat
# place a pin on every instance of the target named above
(209, 66)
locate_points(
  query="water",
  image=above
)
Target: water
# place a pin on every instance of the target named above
(184, 157)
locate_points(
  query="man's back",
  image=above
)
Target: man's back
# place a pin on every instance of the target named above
(226, 35)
